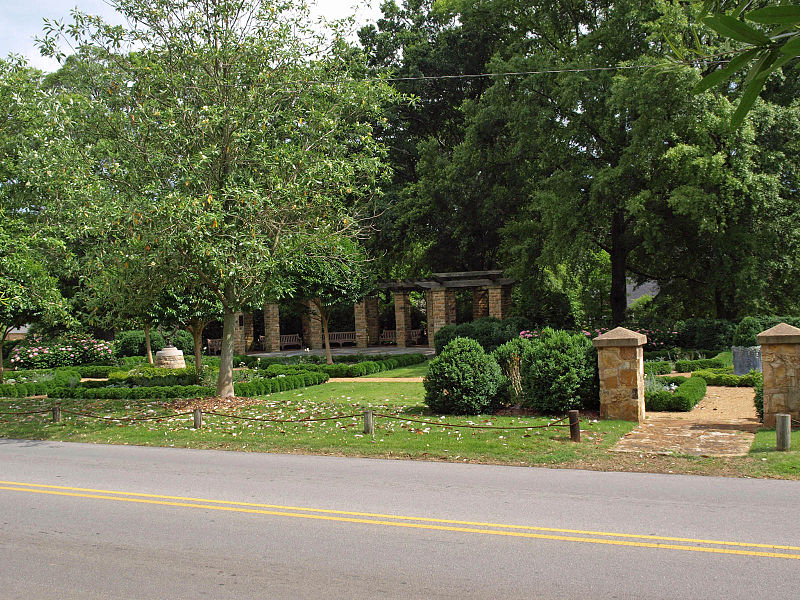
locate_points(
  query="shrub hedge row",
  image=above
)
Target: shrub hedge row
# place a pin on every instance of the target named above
(359, 369)
(657, 367)
(716, 377)
(688, 366)
(54, 378)
(683, 399)
(253, 388)
(149, 376)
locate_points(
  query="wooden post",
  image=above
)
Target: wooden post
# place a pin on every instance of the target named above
(575, 425)
(56, 414)
(783, 430)
(198, 418)
(369, 423)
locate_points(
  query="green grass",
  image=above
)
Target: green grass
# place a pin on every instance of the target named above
(769, 461)
(393, 437)
(418, 370)
(726, 357)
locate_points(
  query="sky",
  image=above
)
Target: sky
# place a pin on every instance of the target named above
(22, 20)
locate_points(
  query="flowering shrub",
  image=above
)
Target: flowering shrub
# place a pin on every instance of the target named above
(36, 353)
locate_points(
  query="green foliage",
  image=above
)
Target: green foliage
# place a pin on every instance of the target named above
(712, 334)
(38, 382)
(688, 366)
(35, 352)
(509, 357)
(746, 332)
(462, 379)
(146, 375)
(489, 332)
(132, 343)
(657, 367)
(690, 391)
(558, 372)
(758, 400)
(715, 377)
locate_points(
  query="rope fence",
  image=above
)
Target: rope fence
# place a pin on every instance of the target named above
(369, 419)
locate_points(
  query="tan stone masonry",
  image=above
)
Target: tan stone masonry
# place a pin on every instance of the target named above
(780, 364)
(620, 360)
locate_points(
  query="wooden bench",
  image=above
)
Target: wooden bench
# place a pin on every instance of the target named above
(414, 336)
(388, 336)
(342, 337)
(214, 346)
(292, 339)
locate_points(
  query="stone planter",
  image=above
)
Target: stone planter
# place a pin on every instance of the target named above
(746, 359)
(170, 358)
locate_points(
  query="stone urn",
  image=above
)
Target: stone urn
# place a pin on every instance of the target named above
(746, 359)
(170, 358)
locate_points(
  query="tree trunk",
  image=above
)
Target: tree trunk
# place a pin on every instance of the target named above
(196, 329)
(619, 259)
(148, 350)
(225, 381)
(325, 336)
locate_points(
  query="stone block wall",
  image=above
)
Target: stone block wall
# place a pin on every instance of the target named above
(441, 310)
(272, 328)
(312, 327)
(402, 317)
(500, 301)
(480, 303)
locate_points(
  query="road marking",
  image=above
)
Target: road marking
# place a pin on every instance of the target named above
(427, 523)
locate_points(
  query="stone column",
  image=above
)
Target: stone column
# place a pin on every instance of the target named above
(780, 364)
(360, 312)
(620, 358)
(312, 326)
(239, 337)
(272, 328)
(480, 303)
(373, 323)
(402, 317)
(450, 306)
(499, 301)
(435, 299)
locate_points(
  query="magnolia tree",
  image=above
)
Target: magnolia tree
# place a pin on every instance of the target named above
(235, 135)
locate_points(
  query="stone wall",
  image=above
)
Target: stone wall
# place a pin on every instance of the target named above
(402, 317)
(272, 328)
(620, 360)
(500, 301)
(312, 327)
(780, 363)
(480, 303)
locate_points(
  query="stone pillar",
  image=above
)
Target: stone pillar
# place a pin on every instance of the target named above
(360, 312)
(312, 326)
(373, 323)
(435, 299)
(500, 301)
(450, 306)
(780, 364)
(402, 317)
(272, 328)
(239, 339)
(620, 358)
(480, 303)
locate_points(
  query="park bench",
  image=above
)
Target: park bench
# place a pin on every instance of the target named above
(414, 336)
(292, 339)
(342, 337)
(388, 336)
(214, 346)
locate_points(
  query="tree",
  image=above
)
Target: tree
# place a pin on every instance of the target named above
(28, 293)
(766, 44)
(235, 135)
(327, 276)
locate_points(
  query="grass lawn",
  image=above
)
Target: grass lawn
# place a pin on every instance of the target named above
(395, 438)
(418, 370)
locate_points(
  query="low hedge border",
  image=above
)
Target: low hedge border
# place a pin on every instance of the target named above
(254, 388)
(688, 366)
(683, 399)
(62, 377)
(657, 367)
(728, 379)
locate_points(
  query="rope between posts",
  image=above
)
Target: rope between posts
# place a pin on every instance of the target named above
(552, 424)
(29, 412)
(308, 420)
(124, 419)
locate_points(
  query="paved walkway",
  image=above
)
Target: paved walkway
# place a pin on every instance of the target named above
(722, 424)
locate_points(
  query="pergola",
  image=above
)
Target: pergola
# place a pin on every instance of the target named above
(491, 296)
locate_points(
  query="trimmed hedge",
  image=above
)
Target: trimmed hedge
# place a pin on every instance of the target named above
(683, 399)
(715, 377)
(489, 332)
(147, 376)
(688, 366)
(96, 371)
(253, 388)
(759, 398)
(658, 367)
(672, 379)
(63, 377)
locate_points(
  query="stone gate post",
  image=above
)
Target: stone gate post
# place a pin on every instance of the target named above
(780, 364)
(620, 359)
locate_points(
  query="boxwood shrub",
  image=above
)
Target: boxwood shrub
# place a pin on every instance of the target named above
(683, 399)
(687, 366)
(657, 367)
(558, 372)
(759, 398)
(39, 382)
(722, 378)
(463, 379)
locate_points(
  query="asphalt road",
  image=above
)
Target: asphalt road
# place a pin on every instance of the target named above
(92, 521)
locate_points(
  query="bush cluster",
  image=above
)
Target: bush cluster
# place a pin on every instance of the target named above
(34, 352)
(35, 383)
(758, 400)
(683, 399)
(748, 328)
(558, 372)
(714, 334)
(489, 332)
(657, 367)
(149, 376)
(723, 378)
(133, 343)
(462, 379)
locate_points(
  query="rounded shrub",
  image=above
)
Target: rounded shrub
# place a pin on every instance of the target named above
(557, 372)
(132, 343)
(509, 358)
(463, 379)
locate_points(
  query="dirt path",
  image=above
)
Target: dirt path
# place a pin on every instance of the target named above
(722, 424)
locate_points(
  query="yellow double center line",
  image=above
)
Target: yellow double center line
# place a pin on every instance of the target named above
(520, 531)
